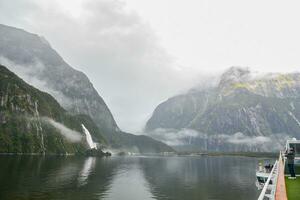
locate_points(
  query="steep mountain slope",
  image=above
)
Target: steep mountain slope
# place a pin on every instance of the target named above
(177, 112)
(37, 63)
(32, 58)
(243, 104)
(32, 121)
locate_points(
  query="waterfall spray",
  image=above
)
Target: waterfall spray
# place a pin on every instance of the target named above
(89, 139)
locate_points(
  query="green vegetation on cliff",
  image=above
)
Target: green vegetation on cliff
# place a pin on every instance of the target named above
(25, 120)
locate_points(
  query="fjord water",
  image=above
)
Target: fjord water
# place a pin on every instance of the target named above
(128, 178)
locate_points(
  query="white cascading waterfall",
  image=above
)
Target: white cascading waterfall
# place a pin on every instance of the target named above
(89, 139)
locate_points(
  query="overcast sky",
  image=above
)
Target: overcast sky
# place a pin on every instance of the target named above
(137, 53)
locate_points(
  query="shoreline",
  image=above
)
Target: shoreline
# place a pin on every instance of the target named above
(37, 154)
(244, 154)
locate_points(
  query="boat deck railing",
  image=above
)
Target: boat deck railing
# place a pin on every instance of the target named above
(281, 187)
(268, 191)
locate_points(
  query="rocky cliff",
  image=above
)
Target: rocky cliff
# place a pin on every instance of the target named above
(242, 107)
(38, 63)
(32, 121)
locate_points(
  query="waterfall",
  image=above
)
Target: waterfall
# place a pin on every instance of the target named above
(89, 139)
(39, 126)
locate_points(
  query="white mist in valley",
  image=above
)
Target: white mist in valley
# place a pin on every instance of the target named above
(89, 139)
(204, 141)
(71, 135)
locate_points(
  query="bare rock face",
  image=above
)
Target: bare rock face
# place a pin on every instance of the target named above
(263, 106)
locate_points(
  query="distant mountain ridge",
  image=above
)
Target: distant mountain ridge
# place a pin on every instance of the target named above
(32, 58)
(241, 104)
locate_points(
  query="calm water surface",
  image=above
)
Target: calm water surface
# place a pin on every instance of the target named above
(128, 178)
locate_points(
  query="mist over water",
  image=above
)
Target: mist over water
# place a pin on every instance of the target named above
(128, 178)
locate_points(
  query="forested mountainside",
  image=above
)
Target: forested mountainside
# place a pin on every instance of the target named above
(32, 121)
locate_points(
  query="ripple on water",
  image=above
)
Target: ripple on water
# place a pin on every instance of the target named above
(128, 178)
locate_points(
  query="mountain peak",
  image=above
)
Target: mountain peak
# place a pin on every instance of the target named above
(234, 75)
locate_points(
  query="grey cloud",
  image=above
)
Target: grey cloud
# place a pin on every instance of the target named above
(119, 52)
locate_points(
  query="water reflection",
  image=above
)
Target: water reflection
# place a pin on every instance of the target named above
(32, 177)
(128, 178)
(201, 177)
(88, 167)
(129, 183)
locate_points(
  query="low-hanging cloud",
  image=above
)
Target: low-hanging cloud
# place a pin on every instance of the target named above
(70, 135)
(30, 73)
(185, 137)
(174, 137)
(240, 138)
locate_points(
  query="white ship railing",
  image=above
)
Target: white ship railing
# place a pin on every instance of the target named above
(268, 191)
